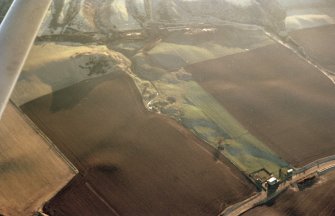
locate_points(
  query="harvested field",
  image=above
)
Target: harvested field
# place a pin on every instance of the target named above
(319, 44)
(136, 162)
(31, 170)
(317, 200)
(285, 102)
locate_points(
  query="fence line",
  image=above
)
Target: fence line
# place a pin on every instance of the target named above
(314, 164)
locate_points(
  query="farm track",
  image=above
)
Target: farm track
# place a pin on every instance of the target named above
(318, 45)
(263, 197)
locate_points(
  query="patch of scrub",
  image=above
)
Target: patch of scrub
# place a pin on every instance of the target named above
(87, 16)
(249, 153)
(207, 119)
(163, 67)
(51, 67)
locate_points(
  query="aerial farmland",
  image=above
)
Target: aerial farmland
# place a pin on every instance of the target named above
(30, 166)
(278, 98)
(125, 153)
(174, 107)
(309, 201)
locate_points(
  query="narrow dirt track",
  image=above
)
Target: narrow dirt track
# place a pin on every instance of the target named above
(263, 197)
(316, 200)
(319, 44)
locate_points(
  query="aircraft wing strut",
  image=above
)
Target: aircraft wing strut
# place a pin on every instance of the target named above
(17, 34)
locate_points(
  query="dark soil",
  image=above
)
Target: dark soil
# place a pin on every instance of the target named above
(319, 44)
(278, 97)
(131, 161)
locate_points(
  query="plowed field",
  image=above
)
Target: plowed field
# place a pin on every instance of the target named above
(279, 98)
(318, 43)
(132, 162)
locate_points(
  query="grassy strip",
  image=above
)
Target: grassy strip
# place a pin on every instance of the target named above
(242, 148)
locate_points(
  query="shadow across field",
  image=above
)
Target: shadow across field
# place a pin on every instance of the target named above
(74, 97)
(131, 161)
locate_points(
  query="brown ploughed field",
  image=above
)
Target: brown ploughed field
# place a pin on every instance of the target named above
(131, 161)
(317, 200)
(31, 170)
(279, 98)
(318, 43)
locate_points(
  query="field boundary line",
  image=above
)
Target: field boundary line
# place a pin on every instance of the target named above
(316, 168)
(46, 139)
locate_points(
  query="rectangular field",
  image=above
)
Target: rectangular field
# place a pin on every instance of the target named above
(31, 171)
(132, 162)
(283, 101)
(318, 43)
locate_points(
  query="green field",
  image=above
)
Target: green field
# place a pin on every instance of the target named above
(210, 121)
(196, 109)
(207, 119)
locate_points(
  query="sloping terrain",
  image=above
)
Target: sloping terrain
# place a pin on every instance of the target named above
(51, 67)
(278, 97)
(134, 161)
(310, 26)
(298, 19)
(105, 16)
(32, 171)
(163, 65)
(111, 16)
(200, 82)
(180, 49)
(302, 14)
(319, 44)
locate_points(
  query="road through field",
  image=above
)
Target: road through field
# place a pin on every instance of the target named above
(263, 197)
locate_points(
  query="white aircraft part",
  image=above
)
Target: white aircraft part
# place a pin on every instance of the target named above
(17, 34)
